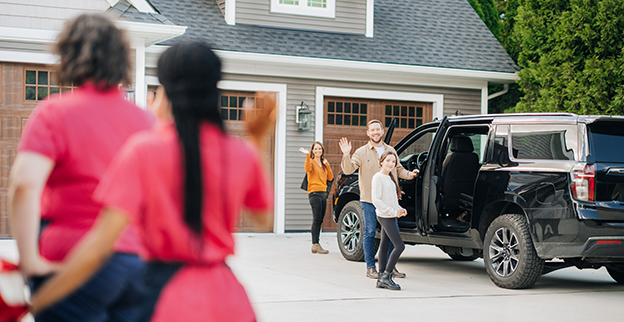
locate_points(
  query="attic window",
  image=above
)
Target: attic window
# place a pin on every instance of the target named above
(315, 8)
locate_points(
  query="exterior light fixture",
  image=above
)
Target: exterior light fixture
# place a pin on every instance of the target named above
(303, 117)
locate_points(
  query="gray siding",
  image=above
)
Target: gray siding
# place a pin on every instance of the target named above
(298, 212)
(22, 46)
(45, 14)
(350, 17)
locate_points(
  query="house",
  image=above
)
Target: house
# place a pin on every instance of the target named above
(347, 61)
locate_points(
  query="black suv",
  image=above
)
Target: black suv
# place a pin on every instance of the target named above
(529, 193)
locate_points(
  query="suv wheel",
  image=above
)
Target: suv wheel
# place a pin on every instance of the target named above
(509, 256)
(351, 231)
(617, 273)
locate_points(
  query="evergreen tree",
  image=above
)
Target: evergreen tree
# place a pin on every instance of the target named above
(486, 9)
(572, 55)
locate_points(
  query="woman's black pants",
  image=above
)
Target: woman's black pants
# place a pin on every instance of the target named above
(318, 201)
(389, 233)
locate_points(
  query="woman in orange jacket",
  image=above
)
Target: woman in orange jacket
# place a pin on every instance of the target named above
(319, 172)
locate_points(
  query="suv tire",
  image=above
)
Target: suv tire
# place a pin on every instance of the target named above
(350, 231)
(509, 255)
(617, 273)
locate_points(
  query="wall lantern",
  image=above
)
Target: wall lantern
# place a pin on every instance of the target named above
(303, 117)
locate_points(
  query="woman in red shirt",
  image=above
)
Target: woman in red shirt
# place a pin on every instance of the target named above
(67, 144)
(319, 173)
(184, 185)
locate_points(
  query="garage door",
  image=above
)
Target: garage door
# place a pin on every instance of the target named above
(22, 88)
(233, 116)
(347, 117)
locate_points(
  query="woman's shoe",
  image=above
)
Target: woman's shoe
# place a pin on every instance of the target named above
(385, 281)
(316, 248)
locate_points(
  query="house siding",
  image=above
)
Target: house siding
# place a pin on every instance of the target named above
(45, 14)
(221, 4)
(350, 17)
(298, 215)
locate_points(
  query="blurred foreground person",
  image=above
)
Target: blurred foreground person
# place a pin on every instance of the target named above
(67, 144)
(184, 184)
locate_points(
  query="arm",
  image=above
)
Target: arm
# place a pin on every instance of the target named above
(307, 166)
(27, 180)
(404, 174)
(377, 196)
(83, 261)
(330, 174)
(349, 164)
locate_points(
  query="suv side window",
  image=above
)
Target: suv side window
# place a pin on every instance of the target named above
(419, 145)
(544, 142)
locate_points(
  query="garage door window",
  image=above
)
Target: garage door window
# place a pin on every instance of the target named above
(232, 105)
(346, 113)
(40, 84)
(409, 116)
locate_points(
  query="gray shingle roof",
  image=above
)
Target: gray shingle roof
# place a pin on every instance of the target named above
(436, 33)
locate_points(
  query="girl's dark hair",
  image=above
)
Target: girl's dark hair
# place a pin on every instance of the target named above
(322, 154)
(396, 158)
(92, 49)
(189, 72)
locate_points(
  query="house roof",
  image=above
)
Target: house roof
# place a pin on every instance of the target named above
(434, 33)
(128, 11)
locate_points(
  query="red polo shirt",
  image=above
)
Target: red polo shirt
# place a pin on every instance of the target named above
(81, 133)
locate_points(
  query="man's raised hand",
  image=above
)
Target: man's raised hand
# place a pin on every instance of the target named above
(345, 146)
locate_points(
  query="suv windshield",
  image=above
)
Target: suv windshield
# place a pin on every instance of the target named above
(606, 138)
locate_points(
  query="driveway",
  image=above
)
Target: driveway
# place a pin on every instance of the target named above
(286, 282)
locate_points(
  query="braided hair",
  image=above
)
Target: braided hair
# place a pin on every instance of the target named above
(189, 72)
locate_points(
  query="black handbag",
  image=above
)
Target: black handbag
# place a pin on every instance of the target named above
(304, 183)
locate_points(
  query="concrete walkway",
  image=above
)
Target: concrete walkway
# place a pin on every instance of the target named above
(286, 282)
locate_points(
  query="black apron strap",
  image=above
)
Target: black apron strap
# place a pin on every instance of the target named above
(157, 275)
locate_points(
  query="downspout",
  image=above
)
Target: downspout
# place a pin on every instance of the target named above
(497, 94)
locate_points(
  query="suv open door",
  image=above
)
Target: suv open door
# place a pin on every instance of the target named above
(431, 178)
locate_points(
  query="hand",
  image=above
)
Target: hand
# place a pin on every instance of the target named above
(304, 151)
(345, 146)
(261, 119)
(413, 174)
(39, 266)
(402, 213)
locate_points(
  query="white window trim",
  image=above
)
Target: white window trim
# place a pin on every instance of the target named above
(304, 10)
(321, 92)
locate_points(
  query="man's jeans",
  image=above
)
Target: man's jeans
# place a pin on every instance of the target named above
(370, 224)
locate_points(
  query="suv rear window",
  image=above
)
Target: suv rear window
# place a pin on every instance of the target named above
(544, 142)
(607, 138)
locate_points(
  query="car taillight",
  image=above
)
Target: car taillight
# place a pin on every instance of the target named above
(583, 183)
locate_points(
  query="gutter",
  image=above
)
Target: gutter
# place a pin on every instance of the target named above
(497, 94)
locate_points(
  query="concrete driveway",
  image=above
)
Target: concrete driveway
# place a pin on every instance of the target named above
(286, 282)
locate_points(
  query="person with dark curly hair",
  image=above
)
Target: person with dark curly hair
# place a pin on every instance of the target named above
(184, 184)
(67, 144)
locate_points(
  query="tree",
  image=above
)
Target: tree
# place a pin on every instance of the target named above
(572, 55)
(486, 9)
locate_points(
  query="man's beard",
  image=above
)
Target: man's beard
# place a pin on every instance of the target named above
(373, 140)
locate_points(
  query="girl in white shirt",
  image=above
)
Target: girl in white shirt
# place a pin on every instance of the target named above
(386, 194)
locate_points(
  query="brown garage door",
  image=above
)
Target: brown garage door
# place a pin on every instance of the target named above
(22, 87)
(347, 117)
(233, 116)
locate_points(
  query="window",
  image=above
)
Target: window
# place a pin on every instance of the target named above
(344, 112)
(233, 105)
(533, 142)
(409, 116)
(316, 8)
(40, 84)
